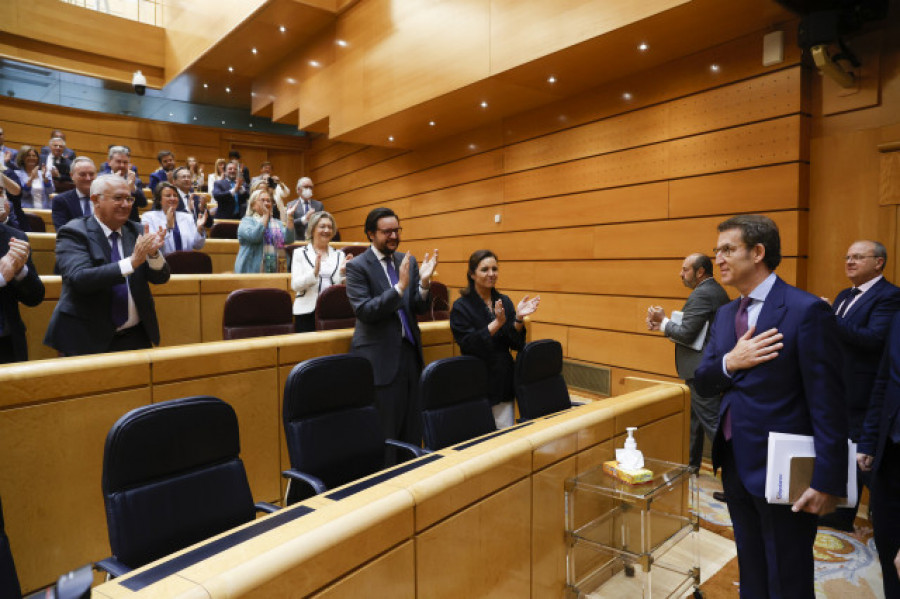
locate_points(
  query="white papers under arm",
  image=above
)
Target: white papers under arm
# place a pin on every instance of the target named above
(697, 344)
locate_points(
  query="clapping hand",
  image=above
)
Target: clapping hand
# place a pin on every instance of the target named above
(427, 268)
(527, 306)
(201, 220)
(499, 313)
(15, 258)
(170, 217)
(147, 244)
(655, 315)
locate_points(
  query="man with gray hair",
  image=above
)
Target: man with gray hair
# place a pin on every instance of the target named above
(304, 206)
(119, 163)
(106, 263)
(75, 202)
(695, 320)
(863, 313)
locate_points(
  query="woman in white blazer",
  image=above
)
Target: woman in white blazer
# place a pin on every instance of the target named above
(182, 232)
(314, 268)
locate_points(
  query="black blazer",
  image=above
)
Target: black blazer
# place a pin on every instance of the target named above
(469, 320)
(29, 291)
(81, 322)
(378, 334)
(884, 407)
(863, 331)
(299, 225)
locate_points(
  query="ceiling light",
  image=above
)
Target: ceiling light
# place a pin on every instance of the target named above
(282, 29)
(341, 43)
(484, 104)
(195, 118)
(551, 79)
(714, 68)
(643, 47)
(205, 85)
(171, 114)
(291, 80)
(431, 123)
(314, 63)
(253, 50)
(227, 90)
(472, 146)
(251, 125)
(231, 69)
(626, 96)
(223, 122)
(252, 94)
(390, 138)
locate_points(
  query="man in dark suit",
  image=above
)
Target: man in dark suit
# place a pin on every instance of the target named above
(19, 282)
(188, 200)
(304, 206)
(67, 151)
(75, 202)
(879, 455)
(166, 161)
(119, 163)
(107, 262)
(784, 379)
(699, 310)
(864, 313)
(387, 290)
(59, 164)
(231, 193)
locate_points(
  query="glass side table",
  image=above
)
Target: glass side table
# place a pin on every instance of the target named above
(633, 540)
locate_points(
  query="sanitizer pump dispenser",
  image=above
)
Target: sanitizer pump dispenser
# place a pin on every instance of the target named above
(630, 458)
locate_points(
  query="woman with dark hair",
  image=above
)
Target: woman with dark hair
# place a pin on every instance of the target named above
(182, 233)
(485, 325)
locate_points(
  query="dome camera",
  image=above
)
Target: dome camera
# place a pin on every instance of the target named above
(139, 83)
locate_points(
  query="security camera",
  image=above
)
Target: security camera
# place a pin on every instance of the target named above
(139, 83)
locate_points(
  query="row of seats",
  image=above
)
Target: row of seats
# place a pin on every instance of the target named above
(260, 312)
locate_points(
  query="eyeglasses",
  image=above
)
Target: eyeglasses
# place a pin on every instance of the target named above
(857, 257)
(725, 250)
(122, 198)
(390, 232)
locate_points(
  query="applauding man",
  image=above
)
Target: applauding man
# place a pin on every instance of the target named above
(106, 263)
(387, 289)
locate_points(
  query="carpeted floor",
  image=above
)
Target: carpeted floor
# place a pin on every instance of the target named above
(846, 563)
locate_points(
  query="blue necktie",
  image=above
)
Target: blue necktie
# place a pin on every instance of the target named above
(119, 310)
(85, 206)
(177, 235)
(741, 326)
(404, 317)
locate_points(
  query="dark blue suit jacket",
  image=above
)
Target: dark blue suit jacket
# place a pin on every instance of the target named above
(884, 403)
(29, 291)
(863, 331)
(64, 207)
(378, 335)
(798, 392)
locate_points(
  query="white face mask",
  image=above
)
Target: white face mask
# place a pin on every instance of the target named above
(306, 193)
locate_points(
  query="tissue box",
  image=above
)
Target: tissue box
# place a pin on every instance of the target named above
(632, 477)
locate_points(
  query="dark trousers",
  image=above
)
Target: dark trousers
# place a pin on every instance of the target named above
(305, 323)
(398, 401)
(131, 338)
(884, 494)
(6, 350)
(704, 421)
(774, 545)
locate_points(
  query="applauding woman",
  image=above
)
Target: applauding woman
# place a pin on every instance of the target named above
(262, 237)
(485, 325)
(315, 268)
(182, 233)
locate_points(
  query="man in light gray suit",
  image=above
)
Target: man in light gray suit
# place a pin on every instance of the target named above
(698, 312)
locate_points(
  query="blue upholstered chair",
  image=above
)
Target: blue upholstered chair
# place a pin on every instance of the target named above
(455, 408)
(540, 387)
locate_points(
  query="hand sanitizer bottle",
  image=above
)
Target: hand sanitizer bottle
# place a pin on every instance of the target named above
(630, 458)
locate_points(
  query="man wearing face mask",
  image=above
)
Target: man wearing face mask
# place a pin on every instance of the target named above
(304, 206)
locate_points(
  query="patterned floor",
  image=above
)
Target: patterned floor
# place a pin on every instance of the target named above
(846, 563)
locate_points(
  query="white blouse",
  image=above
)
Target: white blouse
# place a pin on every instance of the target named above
(306, 284)
(190, 238)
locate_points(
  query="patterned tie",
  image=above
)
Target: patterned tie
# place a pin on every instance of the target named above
(404, 318)
(741, 325)
(119, 310)
(844, 308)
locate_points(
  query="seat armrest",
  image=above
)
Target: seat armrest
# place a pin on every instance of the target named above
(112, 567)
(309, 483)
(414, 450)
(266, 507)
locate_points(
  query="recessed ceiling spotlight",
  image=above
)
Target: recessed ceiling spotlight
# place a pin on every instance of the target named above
(223, 122)
(195, 118)
(431, 123)
(231, 69)
(484, 104)
(252, 94)
(253, 50)
(251, 125)
(626, 96)
(643, 47)
(341, 43)
(551, 79)
(472, 146)
(390, 138)
(282, 29)
(227, 90)
(205, 85)
(171, 114)
(291, 80)
(314, 63)
(714, 68)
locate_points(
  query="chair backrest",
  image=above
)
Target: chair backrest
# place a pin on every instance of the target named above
(455, 407)
(354, 250)
(9, 582)
(289, 251)
(440, 304)
(223, 230)
(172, 477)
(540, 387)
(35, 223)
(189, 262)
(257, 312)
(331, 425)
(333, 309)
